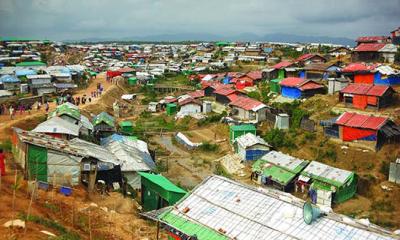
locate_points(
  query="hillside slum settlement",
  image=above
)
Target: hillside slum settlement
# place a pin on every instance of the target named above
(214, 140)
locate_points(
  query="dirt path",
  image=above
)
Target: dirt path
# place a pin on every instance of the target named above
(29, 120)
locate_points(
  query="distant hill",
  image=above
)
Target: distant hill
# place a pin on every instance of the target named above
(275, 37)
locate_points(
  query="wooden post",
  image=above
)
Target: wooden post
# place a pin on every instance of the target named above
(30, 205)
(14, 190)
(158, 230)
(90, 227)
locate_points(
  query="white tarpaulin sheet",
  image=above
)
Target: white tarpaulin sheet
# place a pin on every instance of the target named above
(65, 168)
(245, 213)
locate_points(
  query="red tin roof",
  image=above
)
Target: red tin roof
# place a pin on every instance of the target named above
(246, 103)
(361, 121)
(282, 64)
(369, 47)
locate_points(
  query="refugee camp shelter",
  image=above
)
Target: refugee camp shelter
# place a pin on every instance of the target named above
(310, 58)
(222, 94)
(126, 127)
(9, 82)
(375, 52)
(171, 109)
(248, 109)
(46, 158)
(61, 162)
(133, 157)
(363, 96)
(336, 84)
(366, 129)
(58, 127)
(277, 170)
(386, 75)
(297, 88)
(236, 131)
(68, 112)
(103, 125)
(189, 106)
(328, 184)
(360, 72)
(158, 191)
(251, 147)
(221, 209)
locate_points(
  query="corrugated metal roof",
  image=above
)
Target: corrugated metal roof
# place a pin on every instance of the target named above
(371, 38)
(249, 139)
(225, 91)
(282, 64)
(329, 173)
(247, 103)
(369, 47)
(241, 212)
(361, 121)
(292, 81)
(285, 161)
(358, 67)
(356, 88)
(310, 85)
(196, 94)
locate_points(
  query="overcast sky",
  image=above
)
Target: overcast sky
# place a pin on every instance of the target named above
(77, 19)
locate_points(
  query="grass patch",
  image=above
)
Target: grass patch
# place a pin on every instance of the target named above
(211, 119)
(383, 206)
(6, 145)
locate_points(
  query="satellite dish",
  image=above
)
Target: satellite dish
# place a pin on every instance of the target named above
(310, 213)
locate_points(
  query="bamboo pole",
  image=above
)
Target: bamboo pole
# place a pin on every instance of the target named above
(30, 206)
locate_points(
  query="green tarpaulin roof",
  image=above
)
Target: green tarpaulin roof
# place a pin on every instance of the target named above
(104, 117)
(67, 110)
(278, 174)
(162, 182)
(243, 127)
(190, 228)
(33, 63)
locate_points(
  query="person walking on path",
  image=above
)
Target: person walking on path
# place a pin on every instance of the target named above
(47, 107)
(11, 112)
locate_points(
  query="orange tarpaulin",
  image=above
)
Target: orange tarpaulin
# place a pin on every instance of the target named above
(372, 100)
(364, 78)
(360, 101)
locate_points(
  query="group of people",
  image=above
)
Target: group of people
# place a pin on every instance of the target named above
(14, 109)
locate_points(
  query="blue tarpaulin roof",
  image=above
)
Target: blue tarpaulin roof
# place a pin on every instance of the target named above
(9, 79)
(25, 72)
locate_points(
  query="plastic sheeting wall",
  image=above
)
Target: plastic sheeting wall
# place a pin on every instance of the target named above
(37, 163)
(133, 179)
(350, 134)
(291, 92)
(63, 169)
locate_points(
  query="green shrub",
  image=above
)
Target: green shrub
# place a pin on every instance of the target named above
(6, 145)
(385, 169)
(278, 138)
(208, 147)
